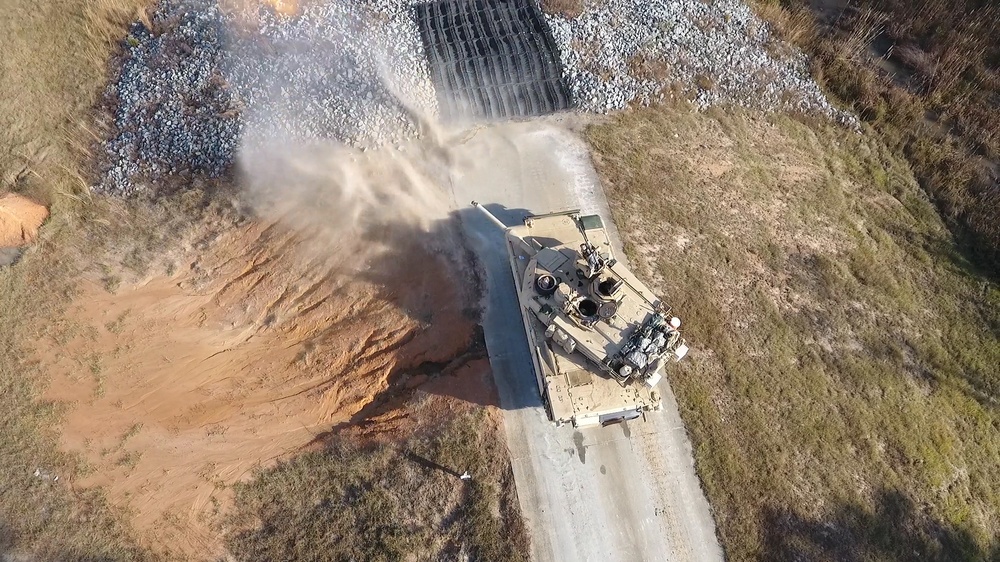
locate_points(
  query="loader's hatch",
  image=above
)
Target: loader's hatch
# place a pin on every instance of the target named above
(579, 377)
(591, 222)
(551, 259)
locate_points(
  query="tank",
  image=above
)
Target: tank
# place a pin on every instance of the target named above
(600, 339)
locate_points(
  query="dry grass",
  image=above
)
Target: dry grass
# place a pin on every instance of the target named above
(649, 66)
(704, 82)
(865, 26)
(843, 396)
(792, 25)
(385, 502)
(939, 107)
(54, 66)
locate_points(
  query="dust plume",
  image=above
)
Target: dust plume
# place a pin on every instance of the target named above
(356, 187)
(247, 10)
(346, 200)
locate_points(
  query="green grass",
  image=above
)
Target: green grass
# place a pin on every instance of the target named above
(381, 502)
(842, 395)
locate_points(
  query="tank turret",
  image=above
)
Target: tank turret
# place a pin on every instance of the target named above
(601, 338)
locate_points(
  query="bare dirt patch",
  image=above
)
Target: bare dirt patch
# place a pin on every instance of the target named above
(177, 386)
(20, 219)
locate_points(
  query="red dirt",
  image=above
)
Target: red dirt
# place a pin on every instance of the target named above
(472, 382)
(179, 386)
(20, 219)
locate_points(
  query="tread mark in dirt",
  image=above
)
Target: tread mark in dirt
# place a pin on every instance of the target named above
(668, 503)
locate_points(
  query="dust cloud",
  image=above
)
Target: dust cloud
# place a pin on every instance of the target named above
(352, 199)
(343, 199)
(388, 186)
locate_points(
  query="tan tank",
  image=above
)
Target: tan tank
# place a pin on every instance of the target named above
(599, 337)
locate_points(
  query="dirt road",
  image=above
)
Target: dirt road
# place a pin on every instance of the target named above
(627, 492)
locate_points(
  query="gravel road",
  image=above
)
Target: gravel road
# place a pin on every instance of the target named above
(627, 492)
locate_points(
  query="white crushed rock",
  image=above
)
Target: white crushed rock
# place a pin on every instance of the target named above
(192, 93)
(189, 96)
(716, 50)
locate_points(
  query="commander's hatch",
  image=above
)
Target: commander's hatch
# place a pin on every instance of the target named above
(595, 233)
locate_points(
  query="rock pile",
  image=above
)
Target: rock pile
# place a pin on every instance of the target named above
(622, 51)
(204, 83)
(173, 112)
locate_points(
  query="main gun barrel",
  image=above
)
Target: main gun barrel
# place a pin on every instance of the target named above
(530, 247)
(490, 215)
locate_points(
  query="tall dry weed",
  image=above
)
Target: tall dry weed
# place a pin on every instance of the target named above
(793, 25)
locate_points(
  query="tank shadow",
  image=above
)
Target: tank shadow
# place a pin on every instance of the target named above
(510, 356)
(433, 275)
(893, 528)
(441, 275)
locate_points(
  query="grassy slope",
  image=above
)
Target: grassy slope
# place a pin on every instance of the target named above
(940, 108)
(387, 502)
(53, 68)
(843, 393)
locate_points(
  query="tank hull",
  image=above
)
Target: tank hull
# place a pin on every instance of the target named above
(571, 358)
